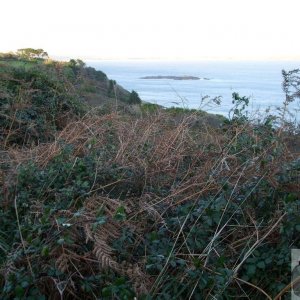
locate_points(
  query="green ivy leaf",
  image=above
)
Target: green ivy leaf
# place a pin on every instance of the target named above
(251, 269)
(45, 251)
(120, 214)
(19, 291)
(261, 265)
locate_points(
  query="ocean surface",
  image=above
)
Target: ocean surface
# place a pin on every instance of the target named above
(261, 81)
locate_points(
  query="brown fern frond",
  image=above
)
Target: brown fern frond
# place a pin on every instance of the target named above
(105, 233)
(62, 262)
(141, 281)
(106, 261)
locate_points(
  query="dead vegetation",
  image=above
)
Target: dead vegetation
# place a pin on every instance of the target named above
(158, 168)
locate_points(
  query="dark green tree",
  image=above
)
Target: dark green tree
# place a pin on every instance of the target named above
(76, 63)
(134, 98)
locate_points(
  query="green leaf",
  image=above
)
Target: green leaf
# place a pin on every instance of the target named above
(268, 260)
(61, 241)
(120, 214)
(99, 221)
(45, 251)
(24, 284)
(251, 269)
(19, 291)
(197, 262)
(106, 292)
(290, 198)
(61, 220)
(261, 265)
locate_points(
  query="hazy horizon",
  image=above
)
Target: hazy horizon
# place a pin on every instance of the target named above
(160, 30)
(179, 59)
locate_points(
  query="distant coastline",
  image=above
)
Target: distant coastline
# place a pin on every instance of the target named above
(262, 81)
(173, 77)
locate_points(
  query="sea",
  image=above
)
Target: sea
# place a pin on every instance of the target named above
(260, 81)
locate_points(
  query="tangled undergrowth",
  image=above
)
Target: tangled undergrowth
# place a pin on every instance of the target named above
(115, 206)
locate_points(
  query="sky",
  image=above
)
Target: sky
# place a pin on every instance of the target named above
(153, 29)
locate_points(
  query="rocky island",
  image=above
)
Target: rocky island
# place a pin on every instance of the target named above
(172, 77)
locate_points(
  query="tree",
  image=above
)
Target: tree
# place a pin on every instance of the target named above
(30, 53)
(78, 63)
(134, 98)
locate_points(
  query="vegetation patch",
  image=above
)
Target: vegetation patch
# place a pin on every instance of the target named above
(114, 205)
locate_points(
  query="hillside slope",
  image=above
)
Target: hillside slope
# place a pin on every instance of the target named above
(38, 95)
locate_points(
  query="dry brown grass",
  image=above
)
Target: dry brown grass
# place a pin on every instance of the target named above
(185, 161)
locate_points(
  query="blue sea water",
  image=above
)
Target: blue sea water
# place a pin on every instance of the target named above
(261, 81)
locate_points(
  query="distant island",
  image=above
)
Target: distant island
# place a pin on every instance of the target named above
(173, 77)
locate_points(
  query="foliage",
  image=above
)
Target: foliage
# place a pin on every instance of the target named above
(33, 100)
(111, 86)
(30, 53)
(238, 113)
(134, 98)
(150, 107)
(95, 74)
(116, 206)
(291, 84)
(180, 110)
(8, 56)
(74, 63)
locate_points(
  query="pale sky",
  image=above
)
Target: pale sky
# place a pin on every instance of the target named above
(160, 29)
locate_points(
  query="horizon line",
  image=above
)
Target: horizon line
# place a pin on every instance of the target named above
(229, 58)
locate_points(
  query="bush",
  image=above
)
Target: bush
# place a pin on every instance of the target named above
(150, 108)
(134, 98)
(33, 100)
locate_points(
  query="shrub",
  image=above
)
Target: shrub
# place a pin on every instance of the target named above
(134, 98)
(33, 99)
